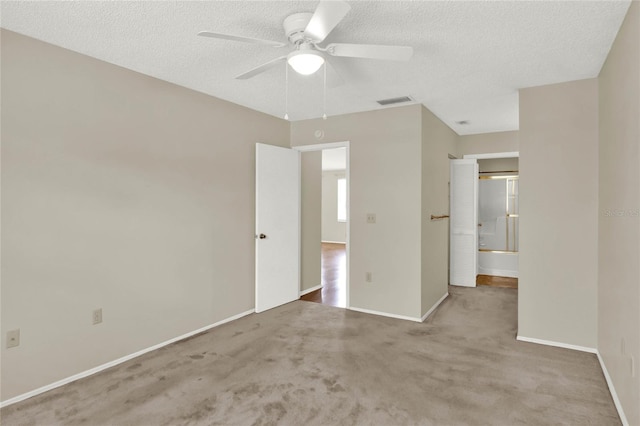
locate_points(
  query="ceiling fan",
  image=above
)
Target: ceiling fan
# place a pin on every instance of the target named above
(305, 31)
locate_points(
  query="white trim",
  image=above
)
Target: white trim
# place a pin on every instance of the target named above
(434, 307)
(498, 272)
(309, 290)
(385, 314)
(321, 146)
(115, 362)
(348, 225)
(557, 344)
(513, 154)
(465, 285)
(612, 390)
(334, 242)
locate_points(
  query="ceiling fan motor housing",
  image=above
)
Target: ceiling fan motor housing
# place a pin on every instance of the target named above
(294, 26)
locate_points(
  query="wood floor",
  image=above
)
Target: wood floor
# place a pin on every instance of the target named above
(334, 274)
(491, 281)
(334, 277)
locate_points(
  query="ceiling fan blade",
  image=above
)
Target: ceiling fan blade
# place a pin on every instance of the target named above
(261, 68)
(328, 14)
(239, 38)
(371, 51)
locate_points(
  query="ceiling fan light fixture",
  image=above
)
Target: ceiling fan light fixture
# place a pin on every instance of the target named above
(305, 61)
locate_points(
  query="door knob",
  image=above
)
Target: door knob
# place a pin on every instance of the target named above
(262, 236)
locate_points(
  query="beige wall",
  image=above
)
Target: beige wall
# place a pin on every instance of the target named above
(487, 143)
(332, 230)
(498, 165)
(438, 141)
(619, 223)
(385, 174)
(311, 211)
(558, 213)
(120, 192)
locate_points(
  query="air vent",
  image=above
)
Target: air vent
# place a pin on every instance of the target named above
(395, 100)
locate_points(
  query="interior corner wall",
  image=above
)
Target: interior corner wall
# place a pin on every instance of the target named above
(332, 230)
(311, 213)
(438, 141)
(619, 215)
(385, 179)
(488, 143)
(120, 192)
(557, 300)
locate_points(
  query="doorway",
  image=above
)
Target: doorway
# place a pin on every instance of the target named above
(498, 220)
(325, 233)
(496, 204)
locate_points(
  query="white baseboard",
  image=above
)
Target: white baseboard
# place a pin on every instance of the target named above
(434, 307)
(557, 344)
(385, 314)
(613, 392)
(309, 290)
(612, 389)
(498, 272)
(115, 362)
(464, 285)
(334, 242)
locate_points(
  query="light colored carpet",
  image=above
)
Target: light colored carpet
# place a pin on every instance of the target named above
(309, 364)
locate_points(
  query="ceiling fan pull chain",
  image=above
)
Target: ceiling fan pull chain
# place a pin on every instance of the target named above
(324, 95)
(286, 91)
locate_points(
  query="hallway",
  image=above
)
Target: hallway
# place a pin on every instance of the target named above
(334, 277)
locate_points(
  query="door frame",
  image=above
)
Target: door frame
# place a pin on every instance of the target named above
(331, 145)
(512, 154)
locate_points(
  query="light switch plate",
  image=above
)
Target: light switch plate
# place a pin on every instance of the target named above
(97, 316)
(13, 338)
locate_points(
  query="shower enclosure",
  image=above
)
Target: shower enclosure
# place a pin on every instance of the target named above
(498, 225)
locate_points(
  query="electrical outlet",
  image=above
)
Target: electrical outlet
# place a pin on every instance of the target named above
(97, 316)
(13, 338)
(369, 277)
(371, 218)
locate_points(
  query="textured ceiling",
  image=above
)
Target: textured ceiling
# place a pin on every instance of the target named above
(470, 57)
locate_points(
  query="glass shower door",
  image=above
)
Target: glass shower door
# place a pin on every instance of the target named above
(512, 214)
(498, 213)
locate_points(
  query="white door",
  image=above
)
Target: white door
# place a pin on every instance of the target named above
(463, 219)
(277, 226)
